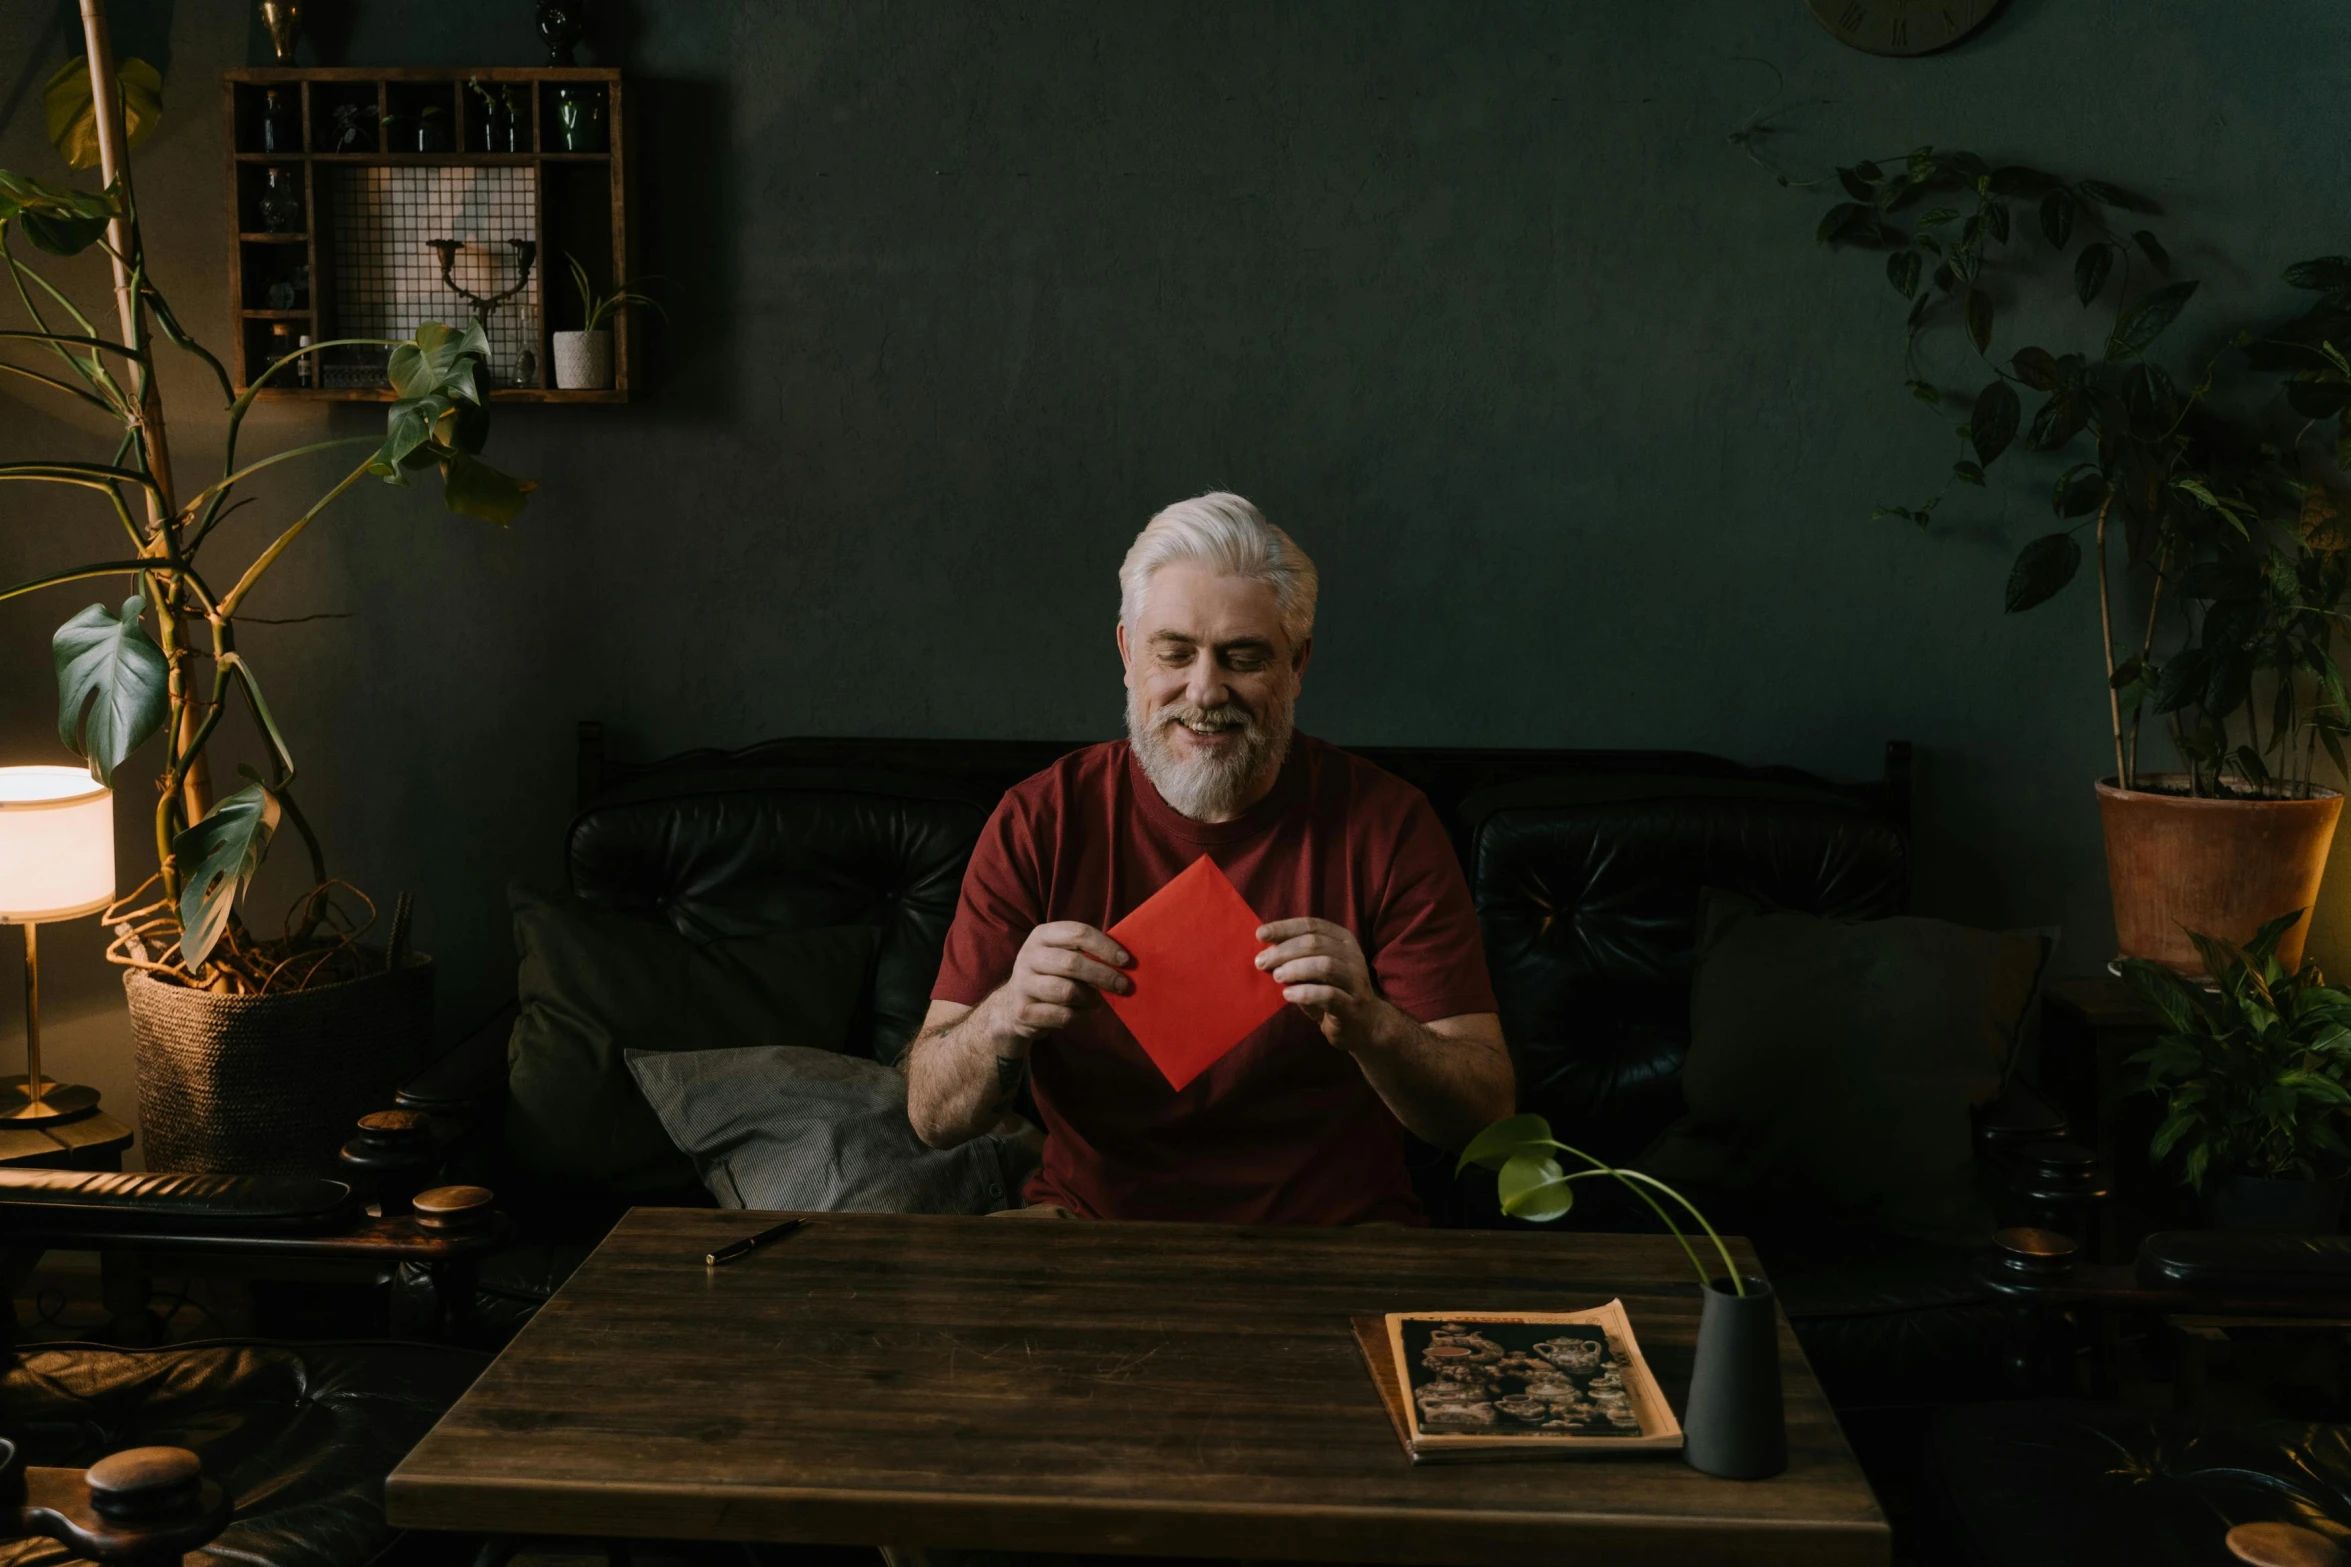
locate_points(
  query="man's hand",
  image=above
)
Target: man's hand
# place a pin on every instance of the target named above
(1061, 971)
(1323, 972)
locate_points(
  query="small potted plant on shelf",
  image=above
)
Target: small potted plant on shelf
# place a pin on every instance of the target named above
(2213, 503)
(2253, 1072)
(254, 1051)
(1734, 1427)
(583, 358)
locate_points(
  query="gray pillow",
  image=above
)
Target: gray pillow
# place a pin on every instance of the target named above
(777, 1126)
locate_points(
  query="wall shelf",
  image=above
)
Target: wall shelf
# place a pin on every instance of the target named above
(362, 259)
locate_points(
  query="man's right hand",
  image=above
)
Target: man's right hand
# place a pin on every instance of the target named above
(1062, 970)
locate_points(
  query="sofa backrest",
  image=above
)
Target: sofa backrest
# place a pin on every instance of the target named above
(1586, 867)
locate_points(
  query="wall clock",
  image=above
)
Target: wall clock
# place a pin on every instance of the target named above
(1902, 26)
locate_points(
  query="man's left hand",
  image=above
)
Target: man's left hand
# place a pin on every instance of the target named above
(1323, 972)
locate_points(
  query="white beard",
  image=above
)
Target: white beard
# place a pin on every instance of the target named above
(1212, 788)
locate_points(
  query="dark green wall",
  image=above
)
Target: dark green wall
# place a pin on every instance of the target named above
(1477, 300)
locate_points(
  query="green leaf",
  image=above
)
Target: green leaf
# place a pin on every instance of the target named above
(1842, 221)
(218, 857)
(434, 362)
(2146, 320)
(1925, 393)
(1532, 1186)
(472, 488)
(1493, 1147)
(1996, 219)
(2045, 565)
(1979, 318)
(2180, 682)
(2152, 249)
(1967, 473)
(2090, 270)
(1902, 271)
(112, 685)
(2036, 368)
(2057, 218)
(70, 107)
(2323, 273)
(1993, 424)
(1855, 185)
(2077, 492)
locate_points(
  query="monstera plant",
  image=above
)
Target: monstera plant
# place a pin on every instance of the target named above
(160, 666)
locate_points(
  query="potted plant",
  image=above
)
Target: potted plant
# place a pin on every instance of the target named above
(1734, 1427)
(2255, 1073)
(583, 359)
(2212, 501)
(254, 1052)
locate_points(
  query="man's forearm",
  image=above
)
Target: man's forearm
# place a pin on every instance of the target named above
(961, 1075)
(1445, 1087)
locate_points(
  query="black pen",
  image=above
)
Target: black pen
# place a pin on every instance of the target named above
(751, 1243)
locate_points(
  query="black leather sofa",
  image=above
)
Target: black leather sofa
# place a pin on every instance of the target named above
(1586, 867)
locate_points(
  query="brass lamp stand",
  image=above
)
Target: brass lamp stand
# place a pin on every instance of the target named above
(34, 1097)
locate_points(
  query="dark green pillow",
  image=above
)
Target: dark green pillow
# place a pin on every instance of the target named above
(1836, 1064)
(593, 984)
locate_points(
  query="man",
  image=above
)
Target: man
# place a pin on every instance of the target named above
(1369, 927)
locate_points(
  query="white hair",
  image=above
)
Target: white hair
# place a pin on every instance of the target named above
(1224, 534)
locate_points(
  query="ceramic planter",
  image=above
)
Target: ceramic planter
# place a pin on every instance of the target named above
(2224, 867)
(1735, 1428)
(2254, 1202)
(583, 361)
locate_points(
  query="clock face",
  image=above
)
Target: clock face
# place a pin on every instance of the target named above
(1902, 26)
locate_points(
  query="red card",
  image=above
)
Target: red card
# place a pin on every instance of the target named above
(1198, 990)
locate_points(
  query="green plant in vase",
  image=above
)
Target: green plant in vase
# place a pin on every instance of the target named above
(583, 357)
(2254, 1070)
(1535, 1186)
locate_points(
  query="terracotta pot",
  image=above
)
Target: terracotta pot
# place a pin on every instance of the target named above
(2224, 867)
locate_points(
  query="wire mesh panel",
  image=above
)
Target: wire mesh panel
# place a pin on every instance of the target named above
(438, 243)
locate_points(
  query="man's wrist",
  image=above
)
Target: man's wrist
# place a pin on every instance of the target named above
(1378, 1030)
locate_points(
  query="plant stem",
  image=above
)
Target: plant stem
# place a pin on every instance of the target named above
(1626, 1178)
(2122, 772)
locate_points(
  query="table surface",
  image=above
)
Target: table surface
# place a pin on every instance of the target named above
(92, 1141)
(1159, 1389)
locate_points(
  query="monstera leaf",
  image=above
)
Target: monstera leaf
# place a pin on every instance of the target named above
(60, 220)
(71, 106)
(112, 685)
(438, 418)
(218, 857)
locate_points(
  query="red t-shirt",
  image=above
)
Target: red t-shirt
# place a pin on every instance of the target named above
(1284, 1129)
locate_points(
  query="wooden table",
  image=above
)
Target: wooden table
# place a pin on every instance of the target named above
(1159, 1389)
(92, 1140)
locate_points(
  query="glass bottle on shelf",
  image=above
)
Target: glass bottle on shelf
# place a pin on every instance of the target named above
(579, 115)
(303, 375)
(281, 122)
(281, 202)
(281, 341)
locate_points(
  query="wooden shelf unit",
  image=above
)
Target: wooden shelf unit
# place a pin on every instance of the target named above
(394, 89)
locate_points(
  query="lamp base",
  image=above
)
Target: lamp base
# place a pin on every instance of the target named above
(59, 1101)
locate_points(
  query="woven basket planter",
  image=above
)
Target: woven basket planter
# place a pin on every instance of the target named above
(270, 1085)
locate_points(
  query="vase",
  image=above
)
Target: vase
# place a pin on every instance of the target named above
(281, 203)
(583, 361)
(1734, 1428)
(560, 26)
(2255, 1202)
(281, 123)
(272, 1084)
(2223, 867)
(283, 18)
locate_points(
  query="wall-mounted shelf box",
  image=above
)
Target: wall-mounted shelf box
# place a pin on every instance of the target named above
(360, 261)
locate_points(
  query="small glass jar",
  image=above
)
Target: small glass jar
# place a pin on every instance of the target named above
(281, 203)
(281, 122)
(579, 116)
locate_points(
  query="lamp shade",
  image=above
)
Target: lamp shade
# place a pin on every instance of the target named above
(56, 844)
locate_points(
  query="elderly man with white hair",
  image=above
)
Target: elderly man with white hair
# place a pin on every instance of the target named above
(1391, 1021)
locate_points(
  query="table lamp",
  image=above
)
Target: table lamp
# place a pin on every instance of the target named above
(56, 863)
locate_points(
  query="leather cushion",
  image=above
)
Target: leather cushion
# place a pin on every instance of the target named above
(795, 847)
(300, 1436)
(2067, 1484)
(1587, 890)
(2247, 1261)
(212, 1204)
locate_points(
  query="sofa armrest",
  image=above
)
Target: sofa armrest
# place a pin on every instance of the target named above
(107, 1200)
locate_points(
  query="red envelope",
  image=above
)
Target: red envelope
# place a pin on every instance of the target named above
(1198, 990)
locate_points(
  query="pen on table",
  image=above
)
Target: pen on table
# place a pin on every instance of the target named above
(751, 1243)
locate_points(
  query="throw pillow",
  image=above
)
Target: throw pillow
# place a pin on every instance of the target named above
(594, 984)
(1834, 1065)
(806, 1129)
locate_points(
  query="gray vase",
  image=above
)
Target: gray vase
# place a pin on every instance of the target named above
(1734, 1428)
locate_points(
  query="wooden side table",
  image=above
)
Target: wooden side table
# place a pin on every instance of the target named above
(94, 1141)
(2090, 1028)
